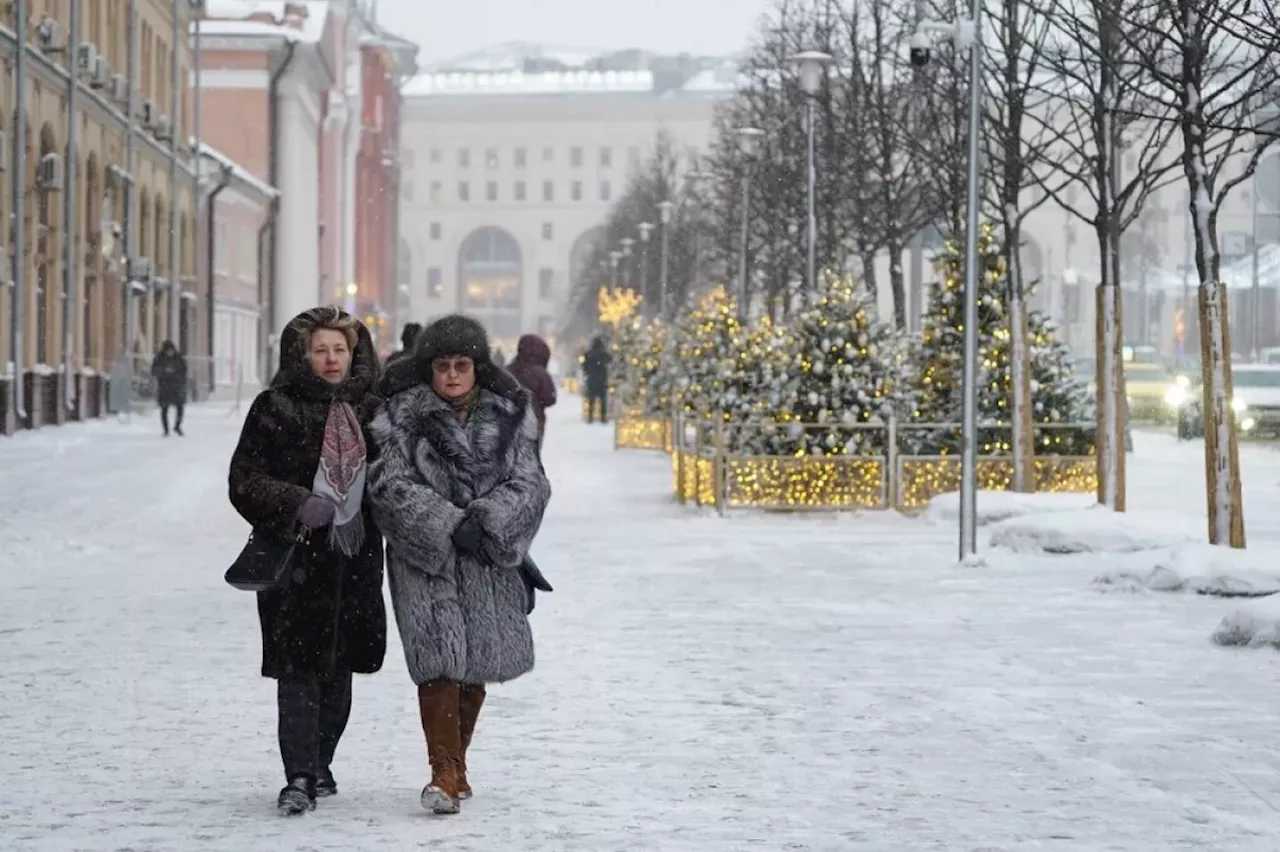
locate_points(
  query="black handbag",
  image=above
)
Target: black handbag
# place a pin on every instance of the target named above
(264, 564)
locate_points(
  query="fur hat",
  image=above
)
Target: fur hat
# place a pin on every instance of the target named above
(454, 335)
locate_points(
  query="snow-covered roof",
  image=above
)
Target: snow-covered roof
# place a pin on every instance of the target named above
(229, 18)
(208, 152)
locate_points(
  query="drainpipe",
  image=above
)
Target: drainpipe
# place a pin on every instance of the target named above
(17, 186)
(273, 178)
(69, 222)
(210, 247)
(266, 264)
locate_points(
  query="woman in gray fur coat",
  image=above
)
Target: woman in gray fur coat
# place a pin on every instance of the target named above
(458, 490)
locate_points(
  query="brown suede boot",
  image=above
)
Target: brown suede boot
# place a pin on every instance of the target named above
(438, 707)
(470, 700)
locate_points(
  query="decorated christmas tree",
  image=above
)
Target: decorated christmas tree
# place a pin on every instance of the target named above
(841, 371)
(1056, 395)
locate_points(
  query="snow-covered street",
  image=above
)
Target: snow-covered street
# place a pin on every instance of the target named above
(704, 683)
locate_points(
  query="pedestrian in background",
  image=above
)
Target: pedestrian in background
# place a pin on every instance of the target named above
(169, 369)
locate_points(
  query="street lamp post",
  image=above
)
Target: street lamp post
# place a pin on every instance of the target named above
(749, 142)
(813, 68)
(664, 216)
(646, 230)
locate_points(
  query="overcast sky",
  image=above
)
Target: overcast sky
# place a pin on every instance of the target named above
(445, 30)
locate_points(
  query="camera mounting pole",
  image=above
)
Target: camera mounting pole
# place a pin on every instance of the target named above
(965, 37)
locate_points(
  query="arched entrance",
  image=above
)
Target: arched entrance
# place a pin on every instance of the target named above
(491, 280)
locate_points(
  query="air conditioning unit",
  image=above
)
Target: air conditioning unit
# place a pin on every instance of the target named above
(49, 173)
(101, 73)
(163, 128)
(120, 88)
(147, 115)
(49, 35)
(140, 269)
(86, 59)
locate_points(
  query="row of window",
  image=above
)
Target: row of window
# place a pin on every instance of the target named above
(520, 157)
(519, 191)
(546, 285)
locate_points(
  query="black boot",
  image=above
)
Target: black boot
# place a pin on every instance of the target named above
(298, 796)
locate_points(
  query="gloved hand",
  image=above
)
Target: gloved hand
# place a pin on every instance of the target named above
(468, 537)
(316, 512)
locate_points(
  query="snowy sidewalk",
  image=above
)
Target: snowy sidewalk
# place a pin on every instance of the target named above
(750, 682)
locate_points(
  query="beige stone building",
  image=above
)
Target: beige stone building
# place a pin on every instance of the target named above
(511, 160)
(57, 366)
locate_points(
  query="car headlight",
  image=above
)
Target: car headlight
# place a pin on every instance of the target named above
(1176, 396)
(1238, 405)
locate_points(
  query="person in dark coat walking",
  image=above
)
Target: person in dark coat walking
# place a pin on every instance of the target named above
(408, 337)
(169, 369)
(459, 491)
(300, 466)
(530, 369)
(595, 378)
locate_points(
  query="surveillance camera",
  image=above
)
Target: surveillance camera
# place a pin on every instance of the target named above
(920, 47)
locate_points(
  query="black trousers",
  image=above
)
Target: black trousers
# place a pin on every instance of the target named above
(313, 713)
(164, 416)
(592, 399)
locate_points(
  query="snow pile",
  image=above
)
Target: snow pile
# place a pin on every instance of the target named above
(996, 506)
(1252, 625)
(1094, 530)
(1203, 569)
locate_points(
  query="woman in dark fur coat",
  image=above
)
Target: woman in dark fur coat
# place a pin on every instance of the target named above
(459, 492)
(301, 466)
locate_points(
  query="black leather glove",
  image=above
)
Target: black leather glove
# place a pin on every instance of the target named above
(468, 537)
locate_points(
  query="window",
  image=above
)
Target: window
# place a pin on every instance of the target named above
(491, 191)
(606, 191)
(519, 193)
(437, 190)
(548, 191)
(435, 230)
(464, 157)
(606, 158)
(435, 282)
(491, 158)
(575, 190)
(546, 283)
(464, 191)
(548, 154)
(520, 158)
(548, 231)
(575, 157)
(435, 155)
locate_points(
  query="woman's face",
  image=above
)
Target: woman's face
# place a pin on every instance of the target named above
(330, 356)
(453, 377)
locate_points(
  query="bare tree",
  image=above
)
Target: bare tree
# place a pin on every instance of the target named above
(1100, 112)
(1214, 64)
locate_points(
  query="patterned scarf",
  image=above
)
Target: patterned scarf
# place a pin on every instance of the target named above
(340, 476)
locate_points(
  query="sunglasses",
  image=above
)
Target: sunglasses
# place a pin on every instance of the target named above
(458, 366)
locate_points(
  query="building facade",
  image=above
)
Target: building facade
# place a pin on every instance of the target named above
(509, 167)
(106, 268)
(282, 94)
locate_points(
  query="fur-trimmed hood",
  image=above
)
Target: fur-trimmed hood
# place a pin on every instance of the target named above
(455, 334)
(294, 375)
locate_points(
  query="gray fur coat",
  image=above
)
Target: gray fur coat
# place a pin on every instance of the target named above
(459, 618)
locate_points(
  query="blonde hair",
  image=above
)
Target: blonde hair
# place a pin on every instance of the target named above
(320, 319)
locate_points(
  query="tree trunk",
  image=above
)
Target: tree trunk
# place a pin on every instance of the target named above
(1221, 452)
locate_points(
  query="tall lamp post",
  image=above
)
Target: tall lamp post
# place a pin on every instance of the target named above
(646, 230)
(749, 143)
(966, 37)
(813, 68)
(664, 217)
